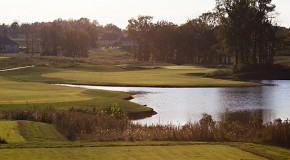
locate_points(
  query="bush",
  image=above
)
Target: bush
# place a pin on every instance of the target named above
(3, 141)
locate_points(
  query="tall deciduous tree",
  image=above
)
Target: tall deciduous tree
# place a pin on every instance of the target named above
(248, 29)
(138, 30)
(72, 38)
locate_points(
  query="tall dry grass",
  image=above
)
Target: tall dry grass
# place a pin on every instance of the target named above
(112, 125)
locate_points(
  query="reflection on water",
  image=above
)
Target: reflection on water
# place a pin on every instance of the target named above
(180, 105)
(245, 116)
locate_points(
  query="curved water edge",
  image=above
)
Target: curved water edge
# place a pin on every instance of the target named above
(180, 105)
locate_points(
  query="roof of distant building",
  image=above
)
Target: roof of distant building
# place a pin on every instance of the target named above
(7, 41)
(110, 36)
(125, 39)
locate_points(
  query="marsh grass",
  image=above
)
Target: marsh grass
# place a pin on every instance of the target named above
(112, 125)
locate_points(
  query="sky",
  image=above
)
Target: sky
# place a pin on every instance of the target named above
(116, 11)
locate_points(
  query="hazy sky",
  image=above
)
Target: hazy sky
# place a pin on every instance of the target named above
(115, 11)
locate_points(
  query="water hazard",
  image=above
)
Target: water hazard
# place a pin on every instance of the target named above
(180, 105)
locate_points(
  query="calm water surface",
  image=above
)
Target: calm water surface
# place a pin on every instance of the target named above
(180, 105)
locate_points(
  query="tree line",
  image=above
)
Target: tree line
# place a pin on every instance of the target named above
(235, 31)
(69, 38)
(249, 29)
(192, 42)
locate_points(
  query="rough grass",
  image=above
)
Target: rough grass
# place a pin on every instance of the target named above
(283, 60)
(9, 132)
(159, 76)
(99, 56)
(112, 56)
(22, 59)
(39, 132)
(214, 152)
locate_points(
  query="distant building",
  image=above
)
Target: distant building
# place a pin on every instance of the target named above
(109, 40)
(8, 46)
(126, 43)
(114, 40)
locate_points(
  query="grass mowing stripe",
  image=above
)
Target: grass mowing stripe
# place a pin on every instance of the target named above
(210, 152)
(269, 152)
(9, 131)
(39, 132)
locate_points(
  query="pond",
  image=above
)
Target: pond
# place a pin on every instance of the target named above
(181, 105)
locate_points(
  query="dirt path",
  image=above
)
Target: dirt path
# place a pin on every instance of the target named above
(12, 69)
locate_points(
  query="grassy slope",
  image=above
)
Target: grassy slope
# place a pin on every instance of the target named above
(109, 57)
(21, 88)
(20, 93)
(9, 131)
(100, 56)
(214, 152)
(39, 132)
(29, 94)
(283, 60)
(179, 76)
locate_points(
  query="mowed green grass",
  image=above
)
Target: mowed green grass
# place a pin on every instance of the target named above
(9, 131)
(185, 152)
(21, 95)
(22, 88)
(12, 92)
(28, 131)
(160, 76)
(39, 132)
